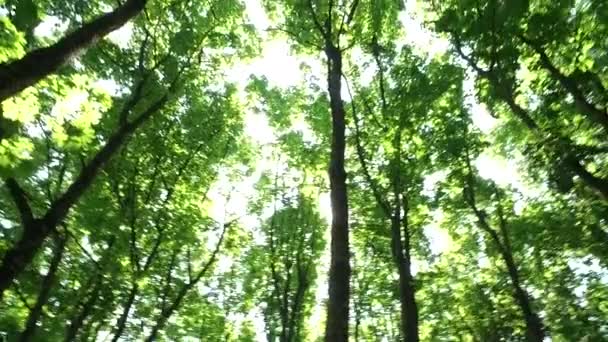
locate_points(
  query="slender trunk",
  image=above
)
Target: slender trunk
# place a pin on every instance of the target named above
(45, 291)
(357, 322)
(87, 307)
(535, 330)
(534, 327)
(18, 257)
(293, 332)
(407, 299)
(121, 323)
(22, 253)
(167, 312)
(27, 71)
(401, 249)
(336, 329)
(284, 307)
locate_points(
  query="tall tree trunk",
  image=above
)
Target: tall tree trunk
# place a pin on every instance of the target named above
(535, 331)
(27, 71)
(408, 296)
(336, 329)
(167, 312)
(407, 300)
(87, 307)
(45, 291)
(121, 323)
(401, 250)
(293, 332)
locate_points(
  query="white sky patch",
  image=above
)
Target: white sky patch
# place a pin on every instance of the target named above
(503, 172)
(276, 63)
(109, 86)
(325, 207)
(482, 118)
(302, 127)
(506, 173)
(51, 26)
(257, 127)
(257, 15)
(122, 36)
(479, 112)
(418, 36)
(439, 238)
(368, 73)
(429, 186)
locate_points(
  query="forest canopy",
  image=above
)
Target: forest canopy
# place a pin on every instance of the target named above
(304, 170)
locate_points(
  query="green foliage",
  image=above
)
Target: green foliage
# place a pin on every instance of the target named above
(192, 229)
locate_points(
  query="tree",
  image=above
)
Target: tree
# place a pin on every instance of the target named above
(151, 190)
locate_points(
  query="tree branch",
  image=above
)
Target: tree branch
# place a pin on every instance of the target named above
(19, 197)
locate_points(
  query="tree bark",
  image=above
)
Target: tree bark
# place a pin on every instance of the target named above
(407, 299)
(167, 312)
(336, 329)
(27, 71)
(535, 330)
(121, 323)
(87, 307)
(401, 250)
(45, 291)
(400, 245)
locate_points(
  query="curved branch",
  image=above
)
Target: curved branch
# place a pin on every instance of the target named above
(362, 160)
(27, 71)
(21, 202)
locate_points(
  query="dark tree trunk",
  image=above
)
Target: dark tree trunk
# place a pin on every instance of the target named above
(401, 248)
(409, 307)
(22, 253)
(27, 71)
(87, 307)
(336, 329)
(571, 161)
(121, 323)
(535, 331)
(284, 306)
(45, 291)
(167, 312)
(407, 301)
